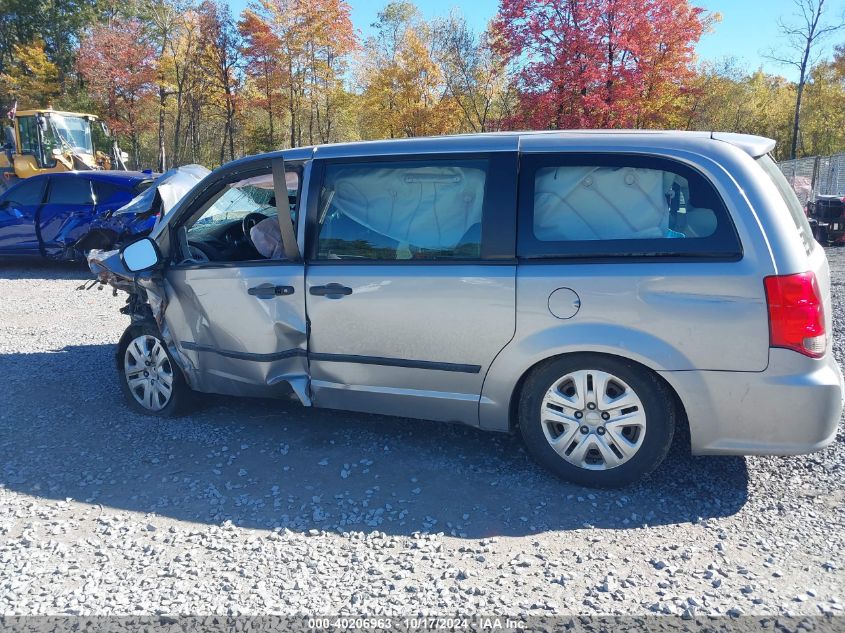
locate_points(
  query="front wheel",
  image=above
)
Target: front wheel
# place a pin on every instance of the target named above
(149, 379)
(596, 420)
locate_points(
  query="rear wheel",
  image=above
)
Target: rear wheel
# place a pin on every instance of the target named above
(151, 382)
(596, 420)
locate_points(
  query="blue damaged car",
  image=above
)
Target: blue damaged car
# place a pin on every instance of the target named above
(50, 215)
(139, 216)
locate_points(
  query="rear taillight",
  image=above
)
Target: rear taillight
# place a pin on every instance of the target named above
(796, 313)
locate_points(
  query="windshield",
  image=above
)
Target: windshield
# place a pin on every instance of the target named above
(238, 202)
(74, 132)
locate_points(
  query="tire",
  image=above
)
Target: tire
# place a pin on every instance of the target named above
(556, 406)
(143, 343)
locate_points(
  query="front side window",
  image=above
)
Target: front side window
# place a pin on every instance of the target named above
(28, 193)
(402, 210)
(240, 222)
(28, 128)
(603, 205)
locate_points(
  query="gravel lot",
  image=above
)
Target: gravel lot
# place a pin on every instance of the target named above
(253, 506)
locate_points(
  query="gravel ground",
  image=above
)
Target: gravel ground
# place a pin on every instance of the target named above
(252, 506)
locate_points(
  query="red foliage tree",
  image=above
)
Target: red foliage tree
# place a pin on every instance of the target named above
(118, 63)
(599, 63)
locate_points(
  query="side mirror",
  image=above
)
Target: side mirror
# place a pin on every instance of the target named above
(140, 255)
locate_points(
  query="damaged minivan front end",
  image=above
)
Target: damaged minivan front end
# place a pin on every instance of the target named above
(203, 257)
(146, 301)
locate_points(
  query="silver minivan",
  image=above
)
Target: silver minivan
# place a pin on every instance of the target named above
(596, 291)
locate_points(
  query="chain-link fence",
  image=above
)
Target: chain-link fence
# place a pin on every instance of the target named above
(815, 176)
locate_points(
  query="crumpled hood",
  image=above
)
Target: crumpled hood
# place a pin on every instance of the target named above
(171, 188)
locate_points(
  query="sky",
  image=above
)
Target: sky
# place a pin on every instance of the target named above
(747, 30)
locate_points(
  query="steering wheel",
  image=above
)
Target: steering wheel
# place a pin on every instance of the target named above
(249, 221)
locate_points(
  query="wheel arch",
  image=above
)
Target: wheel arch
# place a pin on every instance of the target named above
(682, 424)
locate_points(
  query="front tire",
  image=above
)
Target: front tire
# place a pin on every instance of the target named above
(150, 380)
(596, 420)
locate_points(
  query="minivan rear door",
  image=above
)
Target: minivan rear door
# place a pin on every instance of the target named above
(410, 281)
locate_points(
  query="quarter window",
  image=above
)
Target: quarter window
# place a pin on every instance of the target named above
(602, 205)
(402, 210)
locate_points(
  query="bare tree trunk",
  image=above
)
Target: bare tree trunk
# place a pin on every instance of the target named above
(177, 131)
(796, 120)
(162, 159)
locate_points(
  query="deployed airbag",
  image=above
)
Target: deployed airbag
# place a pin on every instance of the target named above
(427, 206)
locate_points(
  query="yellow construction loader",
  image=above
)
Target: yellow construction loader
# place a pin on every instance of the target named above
(46, 140)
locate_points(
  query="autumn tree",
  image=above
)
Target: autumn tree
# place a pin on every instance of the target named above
(118, 65)
(180, 63)
(313, 39)
(222, 54)
(407, 97)
(404, 91)
(727, 98)
(34, 80)
(823, 117)
(331, 39)
(163, 18)
(599, 63)
(262, 56)
(474, 73)
(803, 34)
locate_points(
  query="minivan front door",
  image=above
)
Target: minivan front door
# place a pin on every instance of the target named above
(236, 301)
(411, 282)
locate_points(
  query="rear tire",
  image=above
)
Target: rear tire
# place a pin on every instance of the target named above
(596, 420)
(150, 380)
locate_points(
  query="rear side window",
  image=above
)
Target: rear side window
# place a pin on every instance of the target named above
(799, 218)
(70, 191)
(402, 210)
(599, 205)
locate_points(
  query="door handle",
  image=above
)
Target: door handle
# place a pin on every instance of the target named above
(332, 291)
(268, 291)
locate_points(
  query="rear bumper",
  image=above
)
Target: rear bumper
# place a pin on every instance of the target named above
(792, 407)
